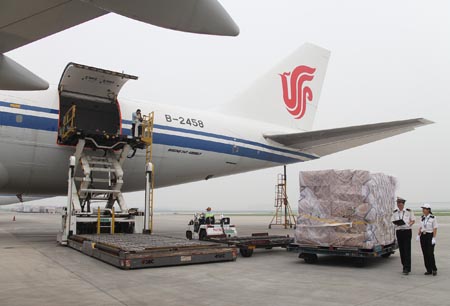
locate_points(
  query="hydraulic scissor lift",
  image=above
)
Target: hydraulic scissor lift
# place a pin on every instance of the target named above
(90, 122)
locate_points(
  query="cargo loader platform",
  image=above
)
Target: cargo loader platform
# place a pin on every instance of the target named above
(134, 251)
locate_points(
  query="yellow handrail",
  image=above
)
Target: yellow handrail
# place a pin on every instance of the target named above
(147, 128)
(68, 125)
(147, 138)
(98, 220)
(151, 203)
(113, 221)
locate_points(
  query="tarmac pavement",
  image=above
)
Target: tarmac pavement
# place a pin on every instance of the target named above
(34, 270)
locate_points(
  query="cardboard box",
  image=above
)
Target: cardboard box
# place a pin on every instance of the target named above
(345, 208)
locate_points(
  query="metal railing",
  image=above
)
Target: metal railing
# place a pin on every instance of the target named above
(147, 138)
(68, 124)
(112, 220)
(147, 128)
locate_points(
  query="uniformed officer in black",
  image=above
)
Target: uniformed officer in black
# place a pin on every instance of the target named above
(403, 232)
(427, 236)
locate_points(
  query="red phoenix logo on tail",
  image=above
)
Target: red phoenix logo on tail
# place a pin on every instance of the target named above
(295, 93)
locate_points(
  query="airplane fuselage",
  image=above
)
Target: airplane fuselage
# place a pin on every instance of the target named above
(188, 145)
(269, 124)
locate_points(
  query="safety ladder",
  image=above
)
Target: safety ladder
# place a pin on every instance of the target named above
(279, 198)
(111, 220)
(147, 139)
(283, 213)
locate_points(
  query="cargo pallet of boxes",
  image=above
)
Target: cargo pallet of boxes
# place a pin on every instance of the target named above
(345, 213)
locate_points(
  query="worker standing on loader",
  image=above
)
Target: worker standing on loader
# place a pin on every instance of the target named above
(403, 220)
(136, 118)
(209, 214)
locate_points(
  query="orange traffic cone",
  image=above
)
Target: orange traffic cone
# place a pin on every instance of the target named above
(14, 218)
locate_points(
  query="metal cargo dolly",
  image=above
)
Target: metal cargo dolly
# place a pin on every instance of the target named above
(247, 244)
(310, 253)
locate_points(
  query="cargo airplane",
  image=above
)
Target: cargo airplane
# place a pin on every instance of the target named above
(269, 125)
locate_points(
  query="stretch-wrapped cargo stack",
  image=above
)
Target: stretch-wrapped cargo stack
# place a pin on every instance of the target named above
(345, 208)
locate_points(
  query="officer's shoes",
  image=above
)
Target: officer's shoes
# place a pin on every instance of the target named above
(434, 273)
(405, 272)
(427, 273)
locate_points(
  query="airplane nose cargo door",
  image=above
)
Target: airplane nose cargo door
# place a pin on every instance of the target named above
(88, 103)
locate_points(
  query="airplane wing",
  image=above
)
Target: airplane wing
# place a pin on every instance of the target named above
(326, 142)
(195, 16)
(24, 21)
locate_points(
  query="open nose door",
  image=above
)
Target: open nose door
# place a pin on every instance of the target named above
(88, 102)
(92, 82)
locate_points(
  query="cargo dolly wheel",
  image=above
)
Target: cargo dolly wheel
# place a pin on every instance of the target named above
(387, 255)
(202, 235)
(246, 252)
(189, 235)
(309, 258)
(360, 262)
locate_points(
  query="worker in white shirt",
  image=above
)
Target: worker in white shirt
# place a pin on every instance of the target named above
(136, 123)
(427, 237)
(403, 220)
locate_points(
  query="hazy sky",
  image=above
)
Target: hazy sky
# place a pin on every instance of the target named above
(389, 60)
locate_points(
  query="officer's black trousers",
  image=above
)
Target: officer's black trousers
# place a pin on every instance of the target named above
(133, 128)
(428, 251)
(404, 246)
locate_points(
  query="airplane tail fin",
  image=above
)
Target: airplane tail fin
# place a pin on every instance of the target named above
(288, 95)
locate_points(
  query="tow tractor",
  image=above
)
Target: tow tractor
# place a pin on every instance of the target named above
(202, 228)
(223, 232)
